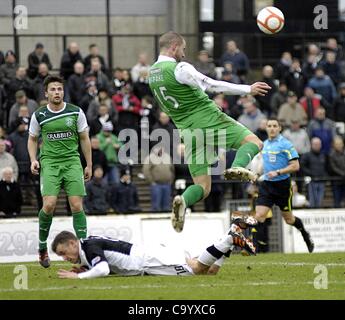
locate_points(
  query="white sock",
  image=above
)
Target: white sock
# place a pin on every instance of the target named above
(216, 251)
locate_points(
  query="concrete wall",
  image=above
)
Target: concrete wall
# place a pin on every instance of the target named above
(85, 22)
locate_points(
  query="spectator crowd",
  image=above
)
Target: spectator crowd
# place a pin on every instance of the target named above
(307, 96)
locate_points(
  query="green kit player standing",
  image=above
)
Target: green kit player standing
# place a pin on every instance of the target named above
(179, 88)
(62, 126)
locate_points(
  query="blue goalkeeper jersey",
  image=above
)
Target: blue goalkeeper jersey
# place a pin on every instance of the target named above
(276, 155)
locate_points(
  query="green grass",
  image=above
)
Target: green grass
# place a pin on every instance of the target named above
(269, 276)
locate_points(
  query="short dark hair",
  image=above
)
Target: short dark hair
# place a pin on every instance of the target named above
(274, 119)
(62, 238)
(50, 79)
(92, 45)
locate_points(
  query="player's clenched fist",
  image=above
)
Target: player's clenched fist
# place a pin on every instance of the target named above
(35, 167)
(259, 88)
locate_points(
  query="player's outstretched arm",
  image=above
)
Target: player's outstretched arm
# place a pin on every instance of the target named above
(99, 270)
(185, 73)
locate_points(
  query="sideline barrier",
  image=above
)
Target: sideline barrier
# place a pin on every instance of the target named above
(326, 227)
(19, 237)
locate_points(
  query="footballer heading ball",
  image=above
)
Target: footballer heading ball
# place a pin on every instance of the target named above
(270, 20)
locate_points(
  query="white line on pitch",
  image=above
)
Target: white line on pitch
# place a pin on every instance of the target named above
(150, 286)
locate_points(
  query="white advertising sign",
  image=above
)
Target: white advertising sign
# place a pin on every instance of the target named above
(326, 227)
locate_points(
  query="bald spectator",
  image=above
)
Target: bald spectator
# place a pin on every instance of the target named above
(141, 66)
(10, 194)
(204, 65)
(69, 58)
(77, 83)
(238, 58)
(7, 160)
(8, 69)
(265, 101)
(291, 110)
(252, 116)
(322, 128)
(35, 58)
(22, 100)
(314, 164)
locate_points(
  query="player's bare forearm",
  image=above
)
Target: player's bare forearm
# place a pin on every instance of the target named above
(292, 167)
(86, 147)
(32, 147)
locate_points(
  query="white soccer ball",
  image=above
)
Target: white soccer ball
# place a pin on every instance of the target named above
(270, 20)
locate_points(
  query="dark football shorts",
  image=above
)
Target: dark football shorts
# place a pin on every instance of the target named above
(275, 193)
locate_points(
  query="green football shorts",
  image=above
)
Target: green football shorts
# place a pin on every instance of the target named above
(69, 176)
(201, 144)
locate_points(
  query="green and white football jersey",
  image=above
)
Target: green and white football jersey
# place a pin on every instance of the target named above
(59, 131)
(187, 106)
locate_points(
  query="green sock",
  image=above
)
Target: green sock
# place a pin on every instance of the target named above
(193, 194)
(245, 154)
(79, 224)
(44, 221)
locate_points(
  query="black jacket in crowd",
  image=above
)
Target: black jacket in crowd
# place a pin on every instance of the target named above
(124, 198)
(10, 198)
(314, 165)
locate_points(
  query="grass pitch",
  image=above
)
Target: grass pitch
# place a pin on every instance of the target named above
(266, 276)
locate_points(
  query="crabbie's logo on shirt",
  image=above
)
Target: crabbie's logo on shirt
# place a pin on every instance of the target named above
(95, 260)
(52, 136)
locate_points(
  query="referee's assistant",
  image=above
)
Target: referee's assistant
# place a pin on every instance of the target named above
(280, 159)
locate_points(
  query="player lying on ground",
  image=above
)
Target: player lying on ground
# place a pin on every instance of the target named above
(179, 89)
(101, 256)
